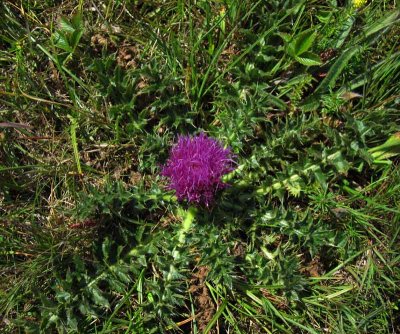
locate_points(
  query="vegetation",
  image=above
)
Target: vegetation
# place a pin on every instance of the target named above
(93, 95)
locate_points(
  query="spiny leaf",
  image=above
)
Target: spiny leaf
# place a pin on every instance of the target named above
(98, 297)
(277, 102)
(339, 162)
(294, 188)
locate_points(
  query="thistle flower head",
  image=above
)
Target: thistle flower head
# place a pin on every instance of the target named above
(195, 167)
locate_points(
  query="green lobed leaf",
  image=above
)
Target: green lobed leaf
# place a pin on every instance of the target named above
(309, 59)
(304, 41)
(66, 26)
(61, 41)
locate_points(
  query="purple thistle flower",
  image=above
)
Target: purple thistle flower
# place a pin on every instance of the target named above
(195, 167)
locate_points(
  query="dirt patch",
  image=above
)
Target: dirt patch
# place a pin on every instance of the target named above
(314, 268)
(205, 307)
(128, 56)
(100, 41)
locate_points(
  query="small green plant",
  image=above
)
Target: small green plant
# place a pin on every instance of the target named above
(68, 36)
(299, 45)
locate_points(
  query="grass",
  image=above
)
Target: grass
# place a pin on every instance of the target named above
(93, 95)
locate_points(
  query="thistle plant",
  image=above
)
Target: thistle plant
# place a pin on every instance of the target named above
(309, 238)
(195, 168)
